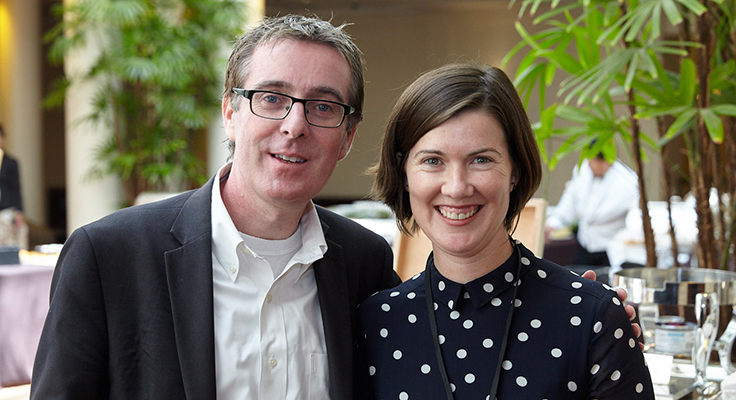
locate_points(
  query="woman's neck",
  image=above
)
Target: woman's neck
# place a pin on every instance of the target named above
(463, 269)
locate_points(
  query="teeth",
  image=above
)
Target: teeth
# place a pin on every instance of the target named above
(456, 216)
(289, 159)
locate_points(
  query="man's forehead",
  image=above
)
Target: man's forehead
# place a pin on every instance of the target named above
(299, 65)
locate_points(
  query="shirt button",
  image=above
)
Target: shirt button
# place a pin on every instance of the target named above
(272, 362)
(232, 269)
(269, 298)
(246, 252)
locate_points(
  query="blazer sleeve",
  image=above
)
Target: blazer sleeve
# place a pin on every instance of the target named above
(72, 357)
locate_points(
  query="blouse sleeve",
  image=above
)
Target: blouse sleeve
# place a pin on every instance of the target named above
(616, 365)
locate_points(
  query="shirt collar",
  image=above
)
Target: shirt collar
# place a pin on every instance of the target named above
(479, 291)
(226, 239)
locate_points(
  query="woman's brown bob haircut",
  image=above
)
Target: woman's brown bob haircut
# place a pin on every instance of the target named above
(432, 99)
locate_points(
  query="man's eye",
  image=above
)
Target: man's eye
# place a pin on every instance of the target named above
(272, 99)
(324, 108)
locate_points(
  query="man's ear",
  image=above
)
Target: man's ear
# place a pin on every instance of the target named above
(227, 117)
(347, 142)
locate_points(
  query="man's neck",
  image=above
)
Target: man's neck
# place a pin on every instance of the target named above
(260, 219)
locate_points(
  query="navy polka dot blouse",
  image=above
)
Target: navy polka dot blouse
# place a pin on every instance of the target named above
(570, 337)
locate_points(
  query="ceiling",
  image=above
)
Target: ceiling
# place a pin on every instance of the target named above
(358, 5)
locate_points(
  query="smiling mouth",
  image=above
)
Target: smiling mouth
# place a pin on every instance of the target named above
(458, 215)
(293, 160)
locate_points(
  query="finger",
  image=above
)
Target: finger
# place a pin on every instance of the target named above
(589, 274)
(622, 294)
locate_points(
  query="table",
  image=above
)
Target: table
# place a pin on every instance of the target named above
(24, 303)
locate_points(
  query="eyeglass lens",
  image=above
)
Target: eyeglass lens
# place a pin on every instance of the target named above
(276, 106)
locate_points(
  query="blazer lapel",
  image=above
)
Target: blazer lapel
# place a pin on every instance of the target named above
(332, 288)
(189, 275)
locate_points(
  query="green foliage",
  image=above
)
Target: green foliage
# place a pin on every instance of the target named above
(157, 81)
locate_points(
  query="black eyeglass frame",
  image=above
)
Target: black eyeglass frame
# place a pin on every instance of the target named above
(248, 94)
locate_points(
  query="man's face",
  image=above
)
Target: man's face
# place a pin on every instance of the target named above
(288, 161)
(599, 166)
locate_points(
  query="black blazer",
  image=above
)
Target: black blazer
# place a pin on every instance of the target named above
(131, 312)
(10, 184)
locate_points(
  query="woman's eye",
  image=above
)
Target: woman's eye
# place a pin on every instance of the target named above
(482, 160)
(431, 161)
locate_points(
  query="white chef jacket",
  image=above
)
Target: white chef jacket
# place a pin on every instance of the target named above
(598, 204)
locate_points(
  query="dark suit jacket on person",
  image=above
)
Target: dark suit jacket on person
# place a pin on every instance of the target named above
(10, 184)
(131, 313)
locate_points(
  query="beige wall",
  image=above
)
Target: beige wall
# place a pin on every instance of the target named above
(400, 43)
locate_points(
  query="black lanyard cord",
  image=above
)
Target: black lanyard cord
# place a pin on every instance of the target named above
(436, 337)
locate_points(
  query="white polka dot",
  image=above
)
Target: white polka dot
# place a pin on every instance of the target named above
(597, 327)
(488, 287)
(411, 295)
(436, 306)
(416, 276)
(616, 301)
(467, 324)
(595, 368)
(572, 386)
(506, 365)
(616, 375)
(517, 303)
(469, 378)
(607, 287)
(521, 381)
(403, 396)
(394, 294)
(372, 370)
(441, 286)
(542, 274)
(450, 304)
(462, 353)
(535, 323)
(441, 339)
(556, 353)
(487, 343)
(454, 315)
(639, 388)
(385, 307)
(618, 333)
(525, 261)
(426, 369)
(397, 355)
(496, 302)
(632, 343)
(523, 337)
(412, 318)
(575, 321)
(466, 295)
(452, 387)
(576, 299)
(577, 285)
(384, 332)
(509, 277)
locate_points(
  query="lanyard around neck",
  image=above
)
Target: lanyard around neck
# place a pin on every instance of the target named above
(436, 337)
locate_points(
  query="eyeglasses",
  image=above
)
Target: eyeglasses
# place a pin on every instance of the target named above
(274, 105)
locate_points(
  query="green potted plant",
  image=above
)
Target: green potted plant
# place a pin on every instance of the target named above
(156, 83)
(613, 55)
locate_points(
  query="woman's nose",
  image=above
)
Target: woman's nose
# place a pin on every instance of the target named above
(457, 184)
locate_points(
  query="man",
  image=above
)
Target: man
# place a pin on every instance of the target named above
(11, 203)
(242, 289)
(598, 197)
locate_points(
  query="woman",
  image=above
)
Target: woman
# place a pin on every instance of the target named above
(459, 160)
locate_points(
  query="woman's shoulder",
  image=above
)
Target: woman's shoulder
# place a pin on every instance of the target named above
(559, 278)
(407, 291)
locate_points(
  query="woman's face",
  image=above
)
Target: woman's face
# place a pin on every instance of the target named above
(459, 178)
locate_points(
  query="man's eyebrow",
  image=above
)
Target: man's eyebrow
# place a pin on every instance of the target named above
(325, 90)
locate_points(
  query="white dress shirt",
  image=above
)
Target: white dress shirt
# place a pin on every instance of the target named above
(598, 204)
(269, 337)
